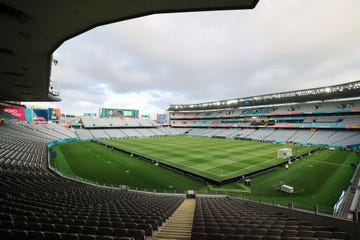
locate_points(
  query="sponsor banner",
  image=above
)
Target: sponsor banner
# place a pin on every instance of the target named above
(161, 118)
(16, 112)
(40, 114)
(54, 114)
(90, 114)
(114, 112)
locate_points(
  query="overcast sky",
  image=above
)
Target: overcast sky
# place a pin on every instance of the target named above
(150, 62)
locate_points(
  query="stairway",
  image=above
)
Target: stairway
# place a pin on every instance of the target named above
(180, 223)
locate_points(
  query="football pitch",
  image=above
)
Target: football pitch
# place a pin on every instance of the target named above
(318, 179)
(217, 159)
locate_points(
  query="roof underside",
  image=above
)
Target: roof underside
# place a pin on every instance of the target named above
(32, 30)
(340, 91)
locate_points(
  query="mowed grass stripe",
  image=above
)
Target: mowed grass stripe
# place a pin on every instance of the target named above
(99, 164)
(217, 159)
(317, 180)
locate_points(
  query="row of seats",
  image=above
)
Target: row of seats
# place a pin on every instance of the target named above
(231, 218)
(37, 235)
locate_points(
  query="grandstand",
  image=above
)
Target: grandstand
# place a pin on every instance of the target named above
(279, 117)
(39, 203)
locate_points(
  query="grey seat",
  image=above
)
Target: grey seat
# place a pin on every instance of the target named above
(52, 236)
(105, 231)
(137, 234)
(19, 234)
(69, 236)
(35, 235)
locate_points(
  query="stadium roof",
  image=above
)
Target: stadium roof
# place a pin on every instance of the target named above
(32, 30)
(346, 90)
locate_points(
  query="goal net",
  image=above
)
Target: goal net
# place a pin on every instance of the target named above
(284, 153)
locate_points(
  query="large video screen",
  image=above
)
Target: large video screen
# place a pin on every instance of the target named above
(114, 112)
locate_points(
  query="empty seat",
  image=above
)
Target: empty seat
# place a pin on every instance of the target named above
(212, 230)
(62, 228)
(137, 234)
(274, 232)
(289, 233)
(6, 217)
(242, 231)
(227, 230)
(233, 237)
(34, 226)
(69, 236)
(90, 230)
(120, 232)
(271, 238)
(198, 236)
(259, 232)
(339, 235)
(147, 229)
(35, 235)
(92, 223)
(5, 234)
(19, 234)
(52, 236)
(47, 227)
(215, 236)
(252, 237)
(306, 233)
(104, 238)
(118, 224)
(86, 237)
(322, 234)
(105, 231)
(76, 229)
(131, 225)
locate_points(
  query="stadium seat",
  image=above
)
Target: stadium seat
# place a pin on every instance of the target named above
(86, 237)
(120, 232)
(198, 236)
(322, 234)
(72, 229)
(36, 235)
(5, 234)
(69, 236)
(105, 231)
(90, 230)
(52, 236)
(215, 236)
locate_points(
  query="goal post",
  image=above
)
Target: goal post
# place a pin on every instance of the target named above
(284, 153)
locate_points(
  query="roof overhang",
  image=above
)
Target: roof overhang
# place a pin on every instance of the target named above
(32, 30)
(340, 91)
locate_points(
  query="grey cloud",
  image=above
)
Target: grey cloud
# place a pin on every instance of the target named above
(280, 45)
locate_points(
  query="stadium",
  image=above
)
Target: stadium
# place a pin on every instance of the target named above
(282, 165)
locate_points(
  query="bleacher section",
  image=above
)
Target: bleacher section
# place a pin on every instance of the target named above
(334, 123)
(37, 204)
(281, 135)
(260, 134)
(93, 122)
(223, 218)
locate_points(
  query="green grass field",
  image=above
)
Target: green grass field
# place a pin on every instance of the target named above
(101, 165)
(217, 159)
(317, 179)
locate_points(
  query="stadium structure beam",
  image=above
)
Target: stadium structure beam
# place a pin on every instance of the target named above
(32, 30)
